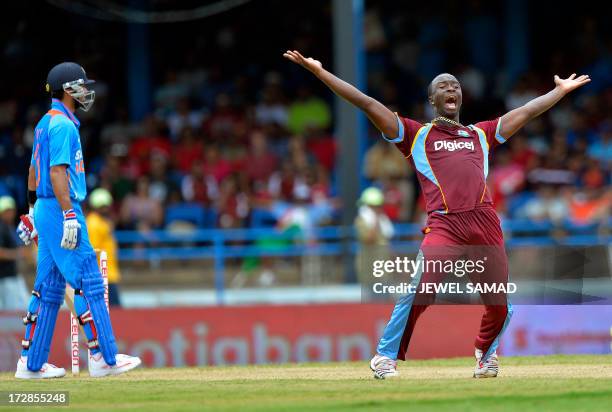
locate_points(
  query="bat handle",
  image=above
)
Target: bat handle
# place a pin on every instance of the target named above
(24, 219)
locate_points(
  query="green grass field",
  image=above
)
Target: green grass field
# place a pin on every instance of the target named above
(559, 383)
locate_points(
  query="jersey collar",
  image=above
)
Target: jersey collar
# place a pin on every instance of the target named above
(58, 105)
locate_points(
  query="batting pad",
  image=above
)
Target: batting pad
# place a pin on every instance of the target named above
(51, 298)
(93, 290)
(80, 309)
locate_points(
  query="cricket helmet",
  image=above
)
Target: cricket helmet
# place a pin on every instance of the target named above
(72, 79)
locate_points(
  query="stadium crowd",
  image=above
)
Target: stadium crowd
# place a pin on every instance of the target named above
(257, 149)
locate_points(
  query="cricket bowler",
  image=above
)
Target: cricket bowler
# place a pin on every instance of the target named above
(452, 163)
(56, 187)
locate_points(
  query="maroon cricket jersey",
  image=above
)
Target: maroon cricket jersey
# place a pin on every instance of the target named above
(452, 163)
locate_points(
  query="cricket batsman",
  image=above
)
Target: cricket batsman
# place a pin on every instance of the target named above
(452, 163)
(56, 187)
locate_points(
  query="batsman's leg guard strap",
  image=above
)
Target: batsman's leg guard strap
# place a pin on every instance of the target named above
(85, 318)
(93, 344)
(93, 289)
(51, 298)
(29, 320)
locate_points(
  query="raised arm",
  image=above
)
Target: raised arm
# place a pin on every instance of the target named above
(383, 118)
(514, 120)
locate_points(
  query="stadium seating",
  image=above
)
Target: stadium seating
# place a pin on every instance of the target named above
(187, 212)
(239, 243)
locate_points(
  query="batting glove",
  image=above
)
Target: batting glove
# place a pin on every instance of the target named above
(26, 229)
(72, 230)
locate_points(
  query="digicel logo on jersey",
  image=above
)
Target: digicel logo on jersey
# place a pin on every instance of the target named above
(452, 145)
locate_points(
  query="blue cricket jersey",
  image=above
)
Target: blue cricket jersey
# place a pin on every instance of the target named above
(57, 142)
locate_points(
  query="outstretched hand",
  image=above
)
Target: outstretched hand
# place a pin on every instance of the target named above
(572, 82)
(309, 63)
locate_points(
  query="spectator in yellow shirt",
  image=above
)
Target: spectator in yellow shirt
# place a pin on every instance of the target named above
(100, 227)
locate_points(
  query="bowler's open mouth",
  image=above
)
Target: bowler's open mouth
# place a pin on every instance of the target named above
(450, 103)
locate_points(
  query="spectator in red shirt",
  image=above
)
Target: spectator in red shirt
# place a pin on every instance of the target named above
(393, 200)
(593, 177)
(232, 203)
(189, 151)
(323, 147)
(224, 122)
(281, 183)
(522, 155)
(151, 141)
(214, 164)
(260, 162)
(197, 187)
(507, 178)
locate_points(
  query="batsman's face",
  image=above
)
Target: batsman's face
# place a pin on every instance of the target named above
(445, 95)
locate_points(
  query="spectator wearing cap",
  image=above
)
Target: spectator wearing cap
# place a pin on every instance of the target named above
(13, 290)
(101, 227)
(374, 231)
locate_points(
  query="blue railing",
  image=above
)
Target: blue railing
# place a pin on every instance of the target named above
(222, 244)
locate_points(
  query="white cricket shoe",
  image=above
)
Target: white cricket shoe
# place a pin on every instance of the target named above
(99, 368)
(383, 367)
(488, 368)
(46, 372)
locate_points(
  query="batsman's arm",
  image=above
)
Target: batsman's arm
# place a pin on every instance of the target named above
(31, 179)
(383, 118)
(59, 181)
(514, 120)
(31, 186)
